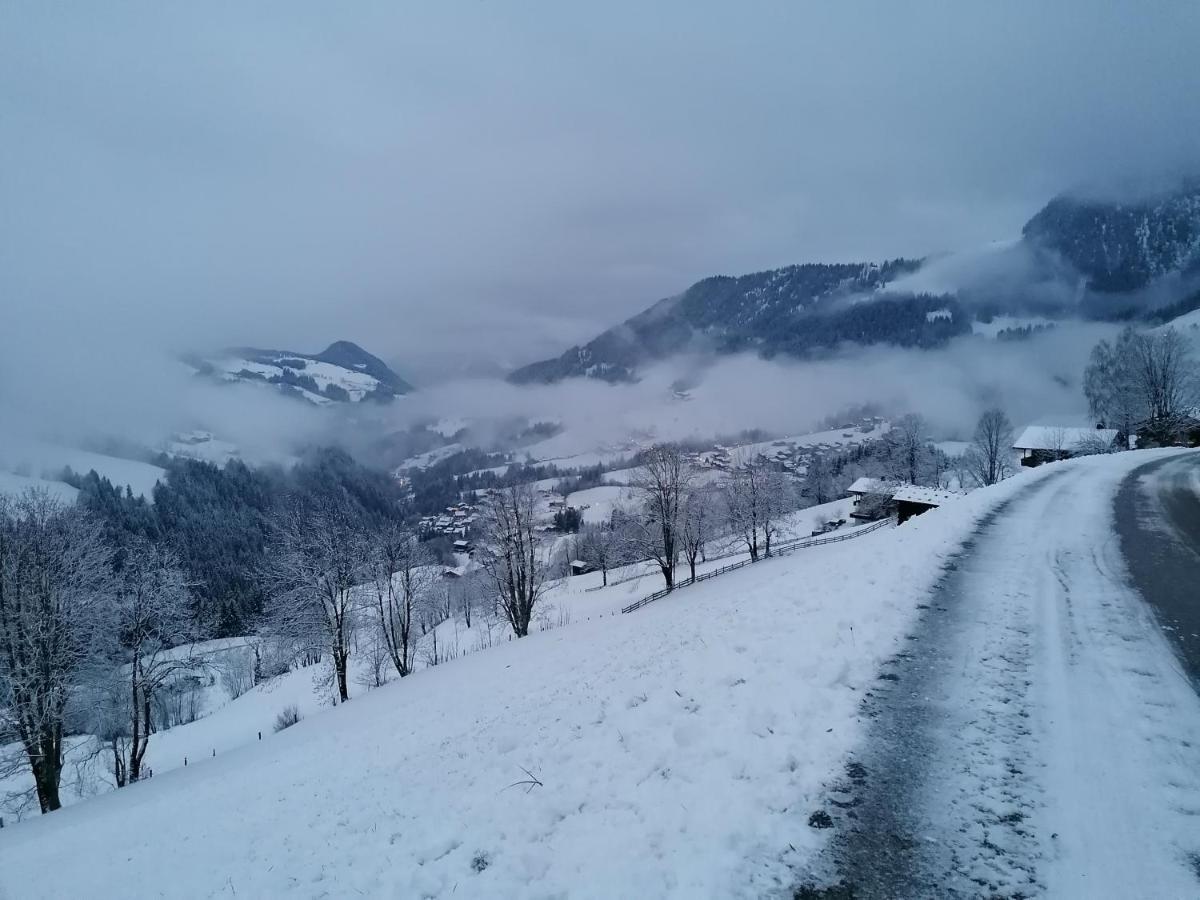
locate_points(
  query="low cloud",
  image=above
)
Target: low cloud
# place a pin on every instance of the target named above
(1029, 379)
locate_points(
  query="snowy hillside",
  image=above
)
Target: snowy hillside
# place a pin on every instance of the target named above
(675, 751)
(13, 484)
(46, 461)
(343, 372)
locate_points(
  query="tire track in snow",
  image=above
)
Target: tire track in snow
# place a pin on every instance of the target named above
(1034, 738)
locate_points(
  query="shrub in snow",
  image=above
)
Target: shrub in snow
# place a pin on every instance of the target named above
(287, 717)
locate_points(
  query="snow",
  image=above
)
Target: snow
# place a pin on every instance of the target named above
(48, 460)
(203, 447)
(18, 484)
(357, 384)
(1187, 322)
(915, 493)
(598, 503)
(678, 750)
(866, 485)
(834, 437)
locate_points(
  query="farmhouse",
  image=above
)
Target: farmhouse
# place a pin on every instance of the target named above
(1038, 444)
(913, 499)
(872, 498)
(863, 486)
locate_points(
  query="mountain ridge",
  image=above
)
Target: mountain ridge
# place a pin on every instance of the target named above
(1113, 248)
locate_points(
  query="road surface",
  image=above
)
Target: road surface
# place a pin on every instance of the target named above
(1040, 734)
(1158, 520)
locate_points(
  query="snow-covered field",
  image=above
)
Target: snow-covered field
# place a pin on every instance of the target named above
(356, 384)
(47, 461)
(18, 484)
(676, 751)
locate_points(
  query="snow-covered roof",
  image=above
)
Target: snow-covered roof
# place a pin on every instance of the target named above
(1050, 437)
(866, 485)
(930, 496)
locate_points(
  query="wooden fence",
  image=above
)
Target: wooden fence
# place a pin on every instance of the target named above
(777, 550)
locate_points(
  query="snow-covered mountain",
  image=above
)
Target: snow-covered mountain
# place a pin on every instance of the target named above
(790, 311)
(342, 373)
(1123, 246)
(1076, 258)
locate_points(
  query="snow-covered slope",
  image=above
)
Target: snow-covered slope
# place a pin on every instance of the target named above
(676, 751)
(13, 484)
(47, 461)
(343, 372)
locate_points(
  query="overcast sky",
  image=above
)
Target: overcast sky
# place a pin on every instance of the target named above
(450, 183)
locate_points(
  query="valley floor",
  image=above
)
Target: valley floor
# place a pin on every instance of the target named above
(676, 751)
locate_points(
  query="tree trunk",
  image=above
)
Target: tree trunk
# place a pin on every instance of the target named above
(47, 772)
(339, 664)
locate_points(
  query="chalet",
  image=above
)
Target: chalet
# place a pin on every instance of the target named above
(863, 486)
(872, 498)
(913, 499)
(463, 546)
(1039, 444)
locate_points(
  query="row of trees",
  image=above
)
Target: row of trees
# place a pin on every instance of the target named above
(676, 512)
(333, 575)
(86, 631)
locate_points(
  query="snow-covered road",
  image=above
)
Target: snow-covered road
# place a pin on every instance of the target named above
(1038, 736)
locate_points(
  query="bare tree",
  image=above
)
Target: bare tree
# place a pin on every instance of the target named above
(55, 576)
(316, 558)
(755, 497)
(818, 480)
(990, 457)
(403, 575)
(510, 554)
(152, 623)
(598, 547)
(1111, 385)
(697, 524)
(659, 486)
(470, 596)
(908, 450)
(1163, 367)
(1142, 378)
